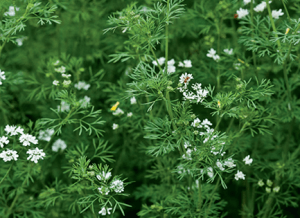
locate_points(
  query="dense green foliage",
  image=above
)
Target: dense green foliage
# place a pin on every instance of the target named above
(141, 109)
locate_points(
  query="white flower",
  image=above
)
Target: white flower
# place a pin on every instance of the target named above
(10, 129)
(161, 61)
(115, 126)
(187, 144)
(85, 102)
(59, 144)
(210, 172)
(11, 11)
(276, 14)
(269, 182)
(19, 41)
(104, 176)
(66, 75)
(56, 63)
(260, 7)
(268, 190)
(26, 139)
(216, 57)
(237, 66)
(185, 78)
(2, 76)
(133, 100)
(66, 83)
(171, 62)
(3, 140)
(248, 160)
(82, 85)
(260, 183)
(276, 189)
(220, 165)
(206, 123)
(9, 155)
(129, 114)
(197, 123)
(229, 163)
(211, 53)
(239, 175)
(242, 13)
(64, 106)
(247, 2)
(228, 51)
(104, 190)
(103, 211)
(117, 112)
(45, 135)
(35, 154)
(171, 69)
(117, 186)
(186, 64)
(61, 69)
(55, 82)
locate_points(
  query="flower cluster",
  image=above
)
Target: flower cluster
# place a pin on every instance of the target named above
(186, 64)
(105, 211)
(59, 144)
(11, 11)
(259, 8)
(119, 112)
(212, 54)
(85, 102)
(2, 76)
(269, 185)
(45, 135)
(25, 140)
(115, 185)
(35, 154)
(64, 106)
(62, 70)
(82, 85)
(197, 95)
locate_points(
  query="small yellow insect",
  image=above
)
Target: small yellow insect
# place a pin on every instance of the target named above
(287, 31)
(113, 108)
(219, 104)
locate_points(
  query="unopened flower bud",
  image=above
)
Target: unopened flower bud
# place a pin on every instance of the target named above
(193, 116)
(91, 173)
(268, 190)
(260, 183)
(276, 189)
(196, 132)
(269, 183)
(170, 88)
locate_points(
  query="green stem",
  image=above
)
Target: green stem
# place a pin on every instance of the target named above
(286, 10)
(7, 173)
(199, 197)
(252, 34)
(211, 198)
(167, 36)
(153, 53)
(273, 25)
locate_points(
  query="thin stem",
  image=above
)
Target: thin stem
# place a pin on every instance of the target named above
(211, 198)
(252, 34)
(273, 25)
(153, 53)
(286, 10)
(167, 36)
(7, 173)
